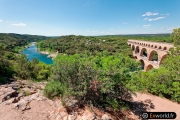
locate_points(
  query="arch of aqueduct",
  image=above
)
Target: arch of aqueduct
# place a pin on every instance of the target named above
(139, 47)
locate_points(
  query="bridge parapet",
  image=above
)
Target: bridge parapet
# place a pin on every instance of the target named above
(154, 45)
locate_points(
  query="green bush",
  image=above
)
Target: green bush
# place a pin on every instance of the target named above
(99, 80)
(54, 88)
(34, 70)
(3, 80)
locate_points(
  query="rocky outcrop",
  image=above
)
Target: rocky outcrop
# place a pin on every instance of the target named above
(25, 100)
(106, 117)
(6, 92)
(44, 52)
(23, 104)
(50, 55)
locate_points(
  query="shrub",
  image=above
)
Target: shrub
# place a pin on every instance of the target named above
(3, 80)
(54, 88)
(99, 81)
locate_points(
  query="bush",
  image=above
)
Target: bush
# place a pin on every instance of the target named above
(54, 88)
(3, 80)
(34, 70)
(99, 80)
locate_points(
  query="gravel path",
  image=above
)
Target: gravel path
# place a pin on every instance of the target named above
(154, 103)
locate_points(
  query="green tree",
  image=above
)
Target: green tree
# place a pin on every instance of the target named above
(176, 36)
(23, 67)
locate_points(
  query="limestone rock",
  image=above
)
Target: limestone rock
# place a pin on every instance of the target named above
(106, 117)
(72, 117)
(89, 117)
(22, 104)
(5, 93)
(21, 94)
(10, 101)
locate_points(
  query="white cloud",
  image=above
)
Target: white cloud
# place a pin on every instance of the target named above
(19, 24)
(168, 28)
(95, 31)
(168, 14)
(1, 21)
(150, 14)
(146, 25)
(154, 19)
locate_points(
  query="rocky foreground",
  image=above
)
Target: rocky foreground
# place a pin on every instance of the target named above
(23, 100)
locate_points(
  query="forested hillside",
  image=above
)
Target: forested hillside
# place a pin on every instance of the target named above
(94, 44)
(11, 61)
(10, 41)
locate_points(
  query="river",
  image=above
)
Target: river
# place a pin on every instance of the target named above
(32, 52)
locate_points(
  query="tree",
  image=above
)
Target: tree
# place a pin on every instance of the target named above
(23, 67)
(176, 36)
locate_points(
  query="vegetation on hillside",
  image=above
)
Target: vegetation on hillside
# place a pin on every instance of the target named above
(11, 42)
(82, 44)
(12, 63)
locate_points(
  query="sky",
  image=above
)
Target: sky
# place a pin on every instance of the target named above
(89, 17)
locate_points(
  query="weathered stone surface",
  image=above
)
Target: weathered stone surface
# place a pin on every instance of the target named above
(22, 104)
(106, 117)
(21, 94)
(5, 93)
(58, 114)
(10, 101)
(72, 117)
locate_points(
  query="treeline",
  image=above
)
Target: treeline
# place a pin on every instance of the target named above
(11, 42)
(80, 44)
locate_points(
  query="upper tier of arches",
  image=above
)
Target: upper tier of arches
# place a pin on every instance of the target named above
(154, 45)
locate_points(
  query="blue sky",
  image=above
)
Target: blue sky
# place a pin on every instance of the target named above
(89, 17)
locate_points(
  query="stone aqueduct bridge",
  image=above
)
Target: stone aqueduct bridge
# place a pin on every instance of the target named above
(144, 51)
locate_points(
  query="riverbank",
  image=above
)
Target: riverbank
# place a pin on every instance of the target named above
(50, 55)
(20, 49)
